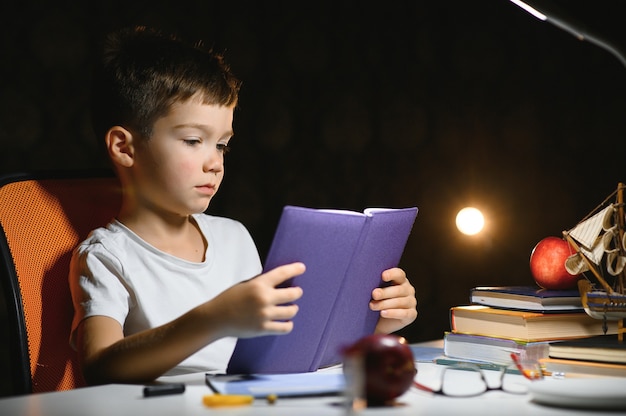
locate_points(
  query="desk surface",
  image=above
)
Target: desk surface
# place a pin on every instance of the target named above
(120, 399)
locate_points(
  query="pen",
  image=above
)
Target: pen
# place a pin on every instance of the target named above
(163, 389)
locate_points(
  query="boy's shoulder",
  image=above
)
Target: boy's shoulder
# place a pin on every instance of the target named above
(108, 234)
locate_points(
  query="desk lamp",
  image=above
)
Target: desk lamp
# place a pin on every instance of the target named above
(547, 11)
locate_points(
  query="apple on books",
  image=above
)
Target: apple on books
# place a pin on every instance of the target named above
(547, 264)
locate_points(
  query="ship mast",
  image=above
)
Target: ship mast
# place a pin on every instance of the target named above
(621, 278)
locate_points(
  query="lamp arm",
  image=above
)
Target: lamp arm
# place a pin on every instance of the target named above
(584, 35)
(545, 10)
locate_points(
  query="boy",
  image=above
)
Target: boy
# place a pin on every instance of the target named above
(165, 288)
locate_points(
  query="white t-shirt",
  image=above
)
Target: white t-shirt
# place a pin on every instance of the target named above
(117, 274)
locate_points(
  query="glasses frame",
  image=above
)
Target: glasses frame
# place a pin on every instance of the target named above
(473, 367)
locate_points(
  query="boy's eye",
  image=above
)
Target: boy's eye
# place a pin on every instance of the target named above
(191, 141)
(223, 147)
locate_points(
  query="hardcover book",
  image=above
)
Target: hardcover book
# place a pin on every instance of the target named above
(525, 326)
(492, 349)
(529, 298)
(577, 368)
(345, 253)
(605, 348)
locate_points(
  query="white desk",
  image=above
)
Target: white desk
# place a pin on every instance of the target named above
(118, 399)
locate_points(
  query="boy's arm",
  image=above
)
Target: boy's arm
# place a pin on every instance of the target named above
(251, 308)
(397, 302)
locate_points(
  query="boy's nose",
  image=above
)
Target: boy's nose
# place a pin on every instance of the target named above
(214, 161)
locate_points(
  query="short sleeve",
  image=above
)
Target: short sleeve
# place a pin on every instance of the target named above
(96, 285)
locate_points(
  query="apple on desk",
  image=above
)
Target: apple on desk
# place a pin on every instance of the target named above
(547, 264)
(379, 368)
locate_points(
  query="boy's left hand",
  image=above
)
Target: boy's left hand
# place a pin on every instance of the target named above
(397, 302)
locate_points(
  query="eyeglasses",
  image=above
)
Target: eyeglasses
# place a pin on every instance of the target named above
(468, 379)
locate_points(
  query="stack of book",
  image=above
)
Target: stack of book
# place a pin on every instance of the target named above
(524, 320)
(603, 355)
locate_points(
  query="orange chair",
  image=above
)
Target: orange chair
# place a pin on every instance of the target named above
(43, 216)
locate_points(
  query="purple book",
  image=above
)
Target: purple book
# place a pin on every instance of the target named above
(345, 253)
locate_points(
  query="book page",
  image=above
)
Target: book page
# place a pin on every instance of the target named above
(367, 211)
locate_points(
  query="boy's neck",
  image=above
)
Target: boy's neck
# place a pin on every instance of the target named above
(178, 236)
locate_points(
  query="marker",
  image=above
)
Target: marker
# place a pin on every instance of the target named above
(225, 400)
(218, 399)
(163, 389)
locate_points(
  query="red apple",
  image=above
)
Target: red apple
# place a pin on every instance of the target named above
(547, 264)
(382, 365)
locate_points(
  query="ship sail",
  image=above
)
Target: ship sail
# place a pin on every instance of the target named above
(588, 231)
(592, 244)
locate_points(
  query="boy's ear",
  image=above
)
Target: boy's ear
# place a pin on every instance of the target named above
(119, 143)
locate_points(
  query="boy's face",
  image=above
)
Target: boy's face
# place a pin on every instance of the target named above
(181, 166)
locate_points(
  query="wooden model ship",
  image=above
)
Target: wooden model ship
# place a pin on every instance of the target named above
(599, 242)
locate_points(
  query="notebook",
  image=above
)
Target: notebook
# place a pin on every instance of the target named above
(319, 383)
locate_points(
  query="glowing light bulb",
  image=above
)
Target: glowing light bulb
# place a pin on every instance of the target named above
(470, 221)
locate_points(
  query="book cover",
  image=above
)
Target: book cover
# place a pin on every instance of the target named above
(492, 349)
(345, 253)
(530, 298)
(525, 326)
(604, 348)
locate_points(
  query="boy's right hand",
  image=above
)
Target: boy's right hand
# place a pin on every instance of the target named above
(256, 306)
(251, 308)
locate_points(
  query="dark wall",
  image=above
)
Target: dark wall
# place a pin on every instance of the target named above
(434, 104)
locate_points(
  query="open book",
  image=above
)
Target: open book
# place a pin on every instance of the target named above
(345, 253)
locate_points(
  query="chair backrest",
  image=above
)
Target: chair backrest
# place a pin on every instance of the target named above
(43, 216)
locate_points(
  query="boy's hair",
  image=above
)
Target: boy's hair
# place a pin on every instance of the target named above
(142, 73)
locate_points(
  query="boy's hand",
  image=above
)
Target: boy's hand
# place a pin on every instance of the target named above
(256, 307)
(397, 303)
(250, 308)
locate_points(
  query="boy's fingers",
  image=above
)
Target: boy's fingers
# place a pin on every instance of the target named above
(394, 303)
(394, 291)
(284, 312)
(395, 275)
(282, 273)
(287, 295)
(279, 327)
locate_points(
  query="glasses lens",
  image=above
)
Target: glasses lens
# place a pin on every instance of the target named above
(462, 382)
(514, 382)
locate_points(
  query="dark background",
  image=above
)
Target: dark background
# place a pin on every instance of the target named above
(427, 103)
